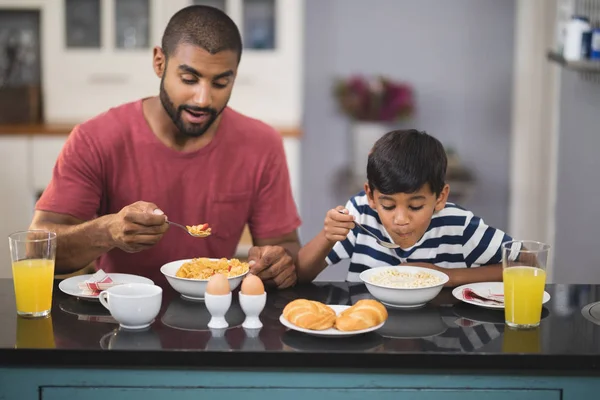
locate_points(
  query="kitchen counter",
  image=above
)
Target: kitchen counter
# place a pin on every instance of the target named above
(65, 129)
(414, 349)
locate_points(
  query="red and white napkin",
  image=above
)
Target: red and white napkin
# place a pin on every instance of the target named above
(488, 298)
(96, 283)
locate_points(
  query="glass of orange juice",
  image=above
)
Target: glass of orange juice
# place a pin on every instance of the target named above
(33, 254)
(524, 275)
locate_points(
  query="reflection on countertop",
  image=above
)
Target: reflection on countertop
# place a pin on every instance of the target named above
(444, 327)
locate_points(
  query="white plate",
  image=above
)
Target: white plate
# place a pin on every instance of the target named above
(484, 289)
(331, 332)
(70, 286)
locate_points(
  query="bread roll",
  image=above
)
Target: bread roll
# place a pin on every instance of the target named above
(364, 314)
(309, 314)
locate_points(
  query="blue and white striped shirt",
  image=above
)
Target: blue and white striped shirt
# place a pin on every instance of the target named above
(455, 238)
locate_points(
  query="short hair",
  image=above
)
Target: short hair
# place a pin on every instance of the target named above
(203, 26)
(403, 161)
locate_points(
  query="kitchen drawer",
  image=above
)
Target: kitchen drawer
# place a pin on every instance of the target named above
(44, 153)
(174, 393)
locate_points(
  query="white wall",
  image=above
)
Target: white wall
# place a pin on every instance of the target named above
(457, 54)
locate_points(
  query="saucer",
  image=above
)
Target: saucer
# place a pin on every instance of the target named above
(70, 285)
(331, 332)
(485, 289)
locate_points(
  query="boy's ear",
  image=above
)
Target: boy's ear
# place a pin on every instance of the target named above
(370, 197)
(440, 203)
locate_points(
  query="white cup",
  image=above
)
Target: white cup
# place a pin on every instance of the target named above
(133, 305)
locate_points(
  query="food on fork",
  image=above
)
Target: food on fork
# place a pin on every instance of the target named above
(309, 314)
(364, 314)
(202, 230)
(203, 268)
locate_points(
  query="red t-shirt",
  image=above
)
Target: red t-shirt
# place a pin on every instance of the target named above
(240, 177)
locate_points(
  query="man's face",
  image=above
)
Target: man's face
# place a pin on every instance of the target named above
(195, 86)
(406, 216)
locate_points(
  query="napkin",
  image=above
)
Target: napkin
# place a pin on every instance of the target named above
(96, 283)
(488, 298)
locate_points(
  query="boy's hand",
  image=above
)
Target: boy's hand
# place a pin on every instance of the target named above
(338, 225)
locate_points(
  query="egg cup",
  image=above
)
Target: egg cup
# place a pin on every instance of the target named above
(217, 306)
(252, 305)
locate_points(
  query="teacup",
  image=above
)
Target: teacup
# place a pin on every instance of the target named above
(133, 305)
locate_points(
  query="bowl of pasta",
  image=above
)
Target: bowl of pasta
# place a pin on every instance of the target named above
(189, 277)
(404, 286)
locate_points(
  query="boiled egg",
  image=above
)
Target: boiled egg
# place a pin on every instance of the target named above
(217, 285)
(252, 285)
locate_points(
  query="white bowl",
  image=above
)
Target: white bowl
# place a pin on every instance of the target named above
(192, 289)
(403, 297)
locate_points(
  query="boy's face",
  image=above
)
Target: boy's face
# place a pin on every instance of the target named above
(406, 216)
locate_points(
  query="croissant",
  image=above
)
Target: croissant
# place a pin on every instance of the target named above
(309, 314)
(364, 314)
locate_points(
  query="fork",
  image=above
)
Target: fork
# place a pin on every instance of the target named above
(184, 228)
(387, 245)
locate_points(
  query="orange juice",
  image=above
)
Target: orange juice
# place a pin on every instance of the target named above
(33, 280)
(35, 333)
(523, 295)
(522, 340)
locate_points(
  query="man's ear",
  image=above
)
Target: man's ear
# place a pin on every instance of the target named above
(159, 61)
(440, 202)
(370, 197)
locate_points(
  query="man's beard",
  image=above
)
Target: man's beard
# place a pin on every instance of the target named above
(187, 129)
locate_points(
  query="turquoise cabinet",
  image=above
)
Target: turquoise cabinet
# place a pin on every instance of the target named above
(288, 384)
(150, 393)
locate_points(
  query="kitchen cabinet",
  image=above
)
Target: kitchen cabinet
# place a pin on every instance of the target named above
(16, 200)
(92, 61)
(289, 383)
(298, 393)
(44, 153)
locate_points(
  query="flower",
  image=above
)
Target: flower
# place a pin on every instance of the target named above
(374, 98)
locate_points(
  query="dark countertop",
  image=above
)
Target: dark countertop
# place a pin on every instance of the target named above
(444, 335)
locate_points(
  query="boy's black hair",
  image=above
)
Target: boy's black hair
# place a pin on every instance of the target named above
(402, 161)
(202, 26)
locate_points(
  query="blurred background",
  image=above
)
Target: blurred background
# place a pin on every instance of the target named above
(489, 78)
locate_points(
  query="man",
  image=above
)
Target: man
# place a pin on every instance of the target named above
(182, 156)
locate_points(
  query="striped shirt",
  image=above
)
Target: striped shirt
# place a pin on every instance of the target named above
(455, 238)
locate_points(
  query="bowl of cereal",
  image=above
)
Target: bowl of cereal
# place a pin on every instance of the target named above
(403, 286)
(189, 277)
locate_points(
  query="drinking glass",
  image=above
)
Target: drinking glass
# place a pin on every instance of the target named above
(33, 254)
(524, 275)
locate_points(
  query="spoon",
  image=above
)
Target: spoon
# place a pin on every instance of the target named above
(203, 233)
(387, 245)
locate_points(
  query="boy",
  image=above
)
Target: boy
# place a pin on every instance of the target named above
(404, 202)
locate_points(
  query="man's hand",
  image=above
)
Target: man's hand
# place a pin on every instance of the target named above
(273, 265)
(137, 227)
